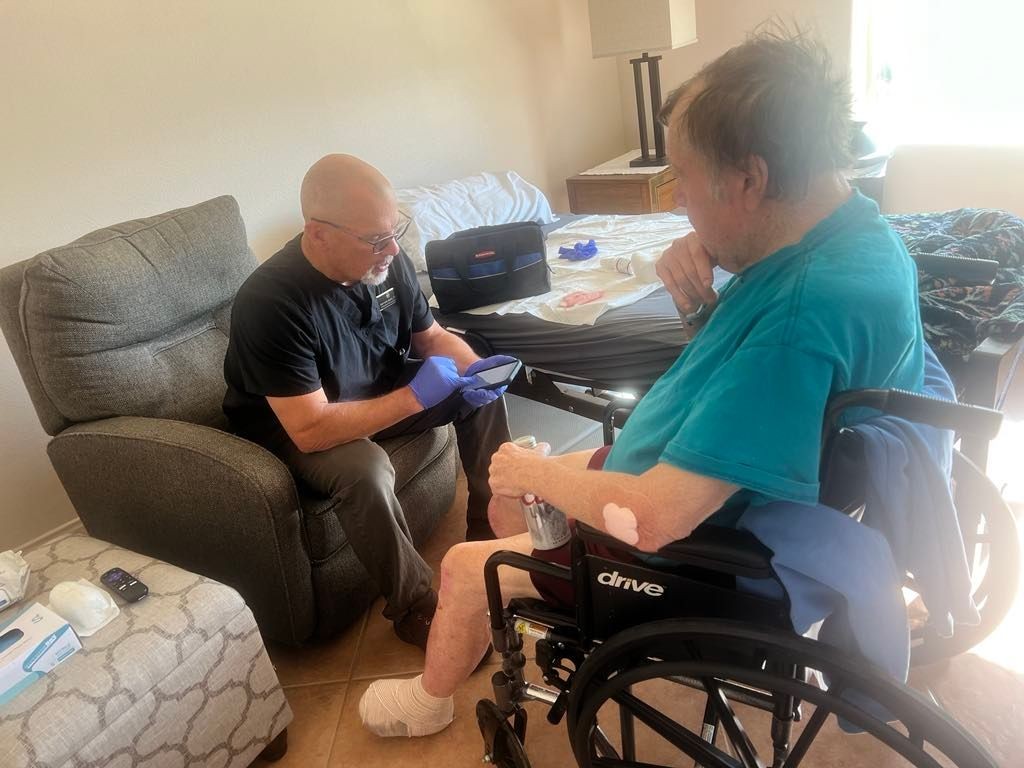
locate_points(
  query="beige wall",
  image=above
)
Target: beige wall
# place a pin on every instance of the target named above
(938, 178)
(125, 108)
(721, 24)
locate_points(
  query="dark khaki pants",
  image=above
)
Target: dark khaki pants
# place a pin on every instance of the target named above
(360, 476)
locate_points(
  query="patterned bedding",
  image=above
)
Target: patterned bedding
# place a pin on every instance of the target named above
(958, 317)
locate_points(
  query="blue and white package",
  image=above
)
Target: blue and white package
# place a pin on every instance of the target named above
(31, 644)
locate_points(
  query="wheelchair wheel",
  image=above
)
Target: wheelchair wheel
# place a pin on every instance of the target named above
(751, 682)
(993, 554)
(502, 746)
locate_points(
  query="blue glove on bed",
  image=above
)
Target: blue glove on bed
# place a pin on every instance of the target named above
(578, 252)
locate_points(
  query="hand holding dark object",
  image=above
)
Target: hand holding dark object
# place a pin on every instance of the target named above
(687, 270)
(480, 397)
(436, 380)
(489, 362)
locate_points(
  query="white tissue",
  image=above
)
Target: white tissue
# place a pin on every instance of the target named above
(14, 572)
(639, 265)
(86, 607)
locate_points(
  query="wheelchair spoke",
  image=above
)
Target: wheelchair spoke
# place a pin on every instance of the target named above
(627, 733)
(690, 743)
(808, 735)
(916, 738)
(603, 745)
(733, 727)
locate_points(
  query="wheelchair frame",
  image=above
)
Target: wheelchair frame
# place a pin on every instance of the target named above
(586, 654)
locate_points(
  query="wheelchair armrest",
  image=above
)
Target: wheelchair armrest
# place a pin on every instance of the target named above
(615, 415)
(917, 408)
(714, 547)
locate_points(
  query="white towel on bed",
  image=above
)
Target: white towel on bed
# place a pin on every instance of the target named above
(642, 238)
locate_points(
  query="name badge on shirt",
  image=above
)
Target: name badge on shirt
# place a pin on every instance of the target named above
(386, 299)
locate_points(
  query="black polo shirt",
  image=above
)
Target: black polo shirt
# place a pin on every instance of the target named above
(294, 330)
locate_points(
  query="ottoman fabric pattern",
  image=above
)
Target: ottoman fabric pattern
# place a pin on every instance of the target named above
(179, 678)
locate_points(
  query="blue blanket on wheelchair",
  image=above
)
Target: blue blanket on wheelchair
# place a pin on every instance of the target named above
(842, 577)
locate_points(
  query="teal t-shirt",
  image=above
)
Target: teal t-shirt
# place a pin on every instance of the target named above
(745, 400)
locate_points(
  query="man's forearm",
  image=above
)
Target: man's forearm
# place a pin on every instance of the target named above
(662, 515)
(576, 459)
(343, 422)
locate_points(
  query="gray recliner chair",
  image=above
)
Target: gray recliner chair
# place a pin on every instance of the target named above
(120, 338)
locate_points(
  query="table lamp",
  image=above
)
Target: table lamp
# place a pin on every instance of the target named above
(635, 26)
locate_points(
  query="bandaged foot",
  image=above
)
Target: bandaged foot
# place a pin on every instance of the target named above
(620, 522)
(403, 708)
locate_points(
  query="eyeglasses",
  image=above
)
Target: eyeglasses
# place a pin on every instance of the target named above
(379, 244)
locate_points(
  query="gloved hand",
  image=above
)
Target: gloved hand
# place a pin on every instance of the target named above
(436, 379)
(480, 397)
(489, 362)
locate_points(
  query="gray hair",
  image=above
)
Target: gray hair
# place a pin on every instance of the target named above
(773, 96)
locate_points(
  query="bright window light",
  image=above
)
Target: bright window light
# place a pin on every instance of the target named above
(939, 71)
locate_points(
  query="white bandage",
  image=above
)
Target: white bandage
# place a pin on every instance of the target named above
(403, 708)
(620, 522)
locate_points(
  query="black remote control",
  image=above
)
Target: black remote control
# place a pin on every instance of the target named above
(124, 585)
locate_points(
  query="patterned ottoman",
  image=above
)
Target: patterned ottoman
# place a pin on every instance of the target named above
(180, 678)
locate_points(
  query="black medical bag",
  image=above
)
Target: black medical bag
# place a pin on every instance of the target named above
(488, 265)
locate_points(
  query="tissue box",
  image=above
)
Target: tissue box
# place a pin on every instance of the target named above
(31, 644)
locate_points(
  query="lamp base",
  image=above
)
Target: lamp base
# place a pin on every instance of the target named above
(647, 162)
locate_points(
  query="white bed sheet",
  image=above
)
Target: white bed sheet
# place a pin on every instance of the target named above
(644, 237)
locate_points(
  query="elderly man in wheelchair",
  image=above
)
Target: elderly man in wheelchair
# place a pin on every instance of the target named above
(706, 552)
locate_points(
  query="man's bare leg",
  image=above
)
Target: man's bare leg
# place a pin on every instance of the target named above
(458, 637)
(506, 517)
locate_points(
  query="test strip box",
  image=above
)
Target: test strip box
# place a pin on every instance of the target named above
(31, 644)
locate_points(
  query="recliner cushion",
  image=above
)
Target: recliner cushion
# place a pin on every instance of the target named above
(132, 320)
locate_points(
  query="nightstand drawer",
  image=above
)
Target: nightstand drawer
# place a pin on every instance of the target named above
(664, 197)
(609, 197)
(621, 193)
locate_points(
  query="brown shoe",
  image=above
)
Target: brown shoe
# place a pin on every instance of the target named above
(414, 626)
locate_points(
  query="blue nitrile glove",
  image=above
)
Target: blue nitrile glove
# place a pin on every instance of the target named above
(478, 397)
(436, 379)
(578, 252)
(489, 362)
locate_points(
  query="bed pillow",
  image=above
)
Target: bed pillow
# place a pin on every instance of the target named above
(474, 201)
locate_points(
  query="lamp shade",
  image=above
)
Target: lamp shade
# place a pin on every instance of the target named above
(632, 26)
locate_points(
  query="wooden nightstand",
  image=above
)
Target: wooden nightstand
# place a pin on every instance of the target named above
(622, 193)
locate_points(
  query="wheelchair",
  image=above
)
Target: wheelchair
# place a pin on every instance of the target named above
(609, 665)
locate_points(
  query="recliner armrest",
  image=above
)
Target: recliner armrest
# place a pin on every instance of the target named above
(200, 498)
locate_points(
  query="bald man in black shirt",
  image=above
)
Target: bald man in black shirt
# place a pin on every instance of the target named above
(317, 367)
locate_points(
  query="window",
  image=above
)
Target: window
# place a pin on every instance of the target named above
(939, 71)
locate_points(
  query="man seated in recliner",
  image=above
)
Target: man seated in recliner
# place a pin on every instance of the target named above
(317, 368)
(824, 299)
